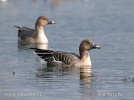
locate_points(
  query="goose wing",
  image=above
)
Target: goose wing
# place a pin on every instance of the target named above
(25, 32)
(58, 57)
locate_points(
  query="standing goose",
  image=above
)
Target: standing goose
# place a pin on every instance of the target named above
(59, 58)
(30, 36)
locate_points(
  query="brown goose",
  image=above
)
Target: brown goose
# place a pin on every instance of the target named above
(59, 58)
(34, 36)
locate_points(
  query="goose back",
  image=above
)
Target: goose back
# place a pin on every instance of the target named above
(26, 34)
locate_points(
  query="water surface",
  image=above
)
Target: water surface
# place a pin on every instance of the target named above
(109, 23)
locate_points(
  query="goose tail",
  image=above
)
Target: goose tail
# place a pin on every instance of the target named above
(19, 27)
(45, 54)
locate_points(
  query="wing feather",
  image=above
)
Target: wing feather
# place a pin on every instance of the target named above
(57, 57)
(66, 57)
(24, 33)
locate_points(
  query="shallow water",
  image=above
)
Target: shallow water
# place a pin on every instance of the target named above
(109, 23)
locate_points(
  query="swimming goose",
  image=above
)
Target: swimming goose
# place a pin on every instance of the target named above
(59, 58)
(34, 36)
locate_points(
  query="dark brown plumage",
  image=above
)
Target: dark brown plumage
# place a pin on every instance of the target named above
(59, 58)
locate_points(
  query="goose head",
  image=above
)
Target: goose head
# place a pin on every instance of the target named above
(42, 21)
(87, 45)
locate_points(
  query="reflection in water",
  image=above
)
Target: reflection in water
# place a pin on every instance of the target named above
(26, 46)
(41, 46)
(85, 75)
(54, 76)
(85, 72)
(43, 72)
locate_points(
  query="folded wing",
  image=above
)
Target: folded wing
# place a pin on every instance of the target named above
(57, 58)
(24, 33)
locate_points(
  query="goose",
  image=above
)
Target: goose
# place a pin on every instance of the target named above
(34, 36)
(61, 58)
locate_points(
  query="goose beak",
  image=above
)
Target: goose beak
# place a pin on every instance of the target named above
(51, 22)
(96, 47)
